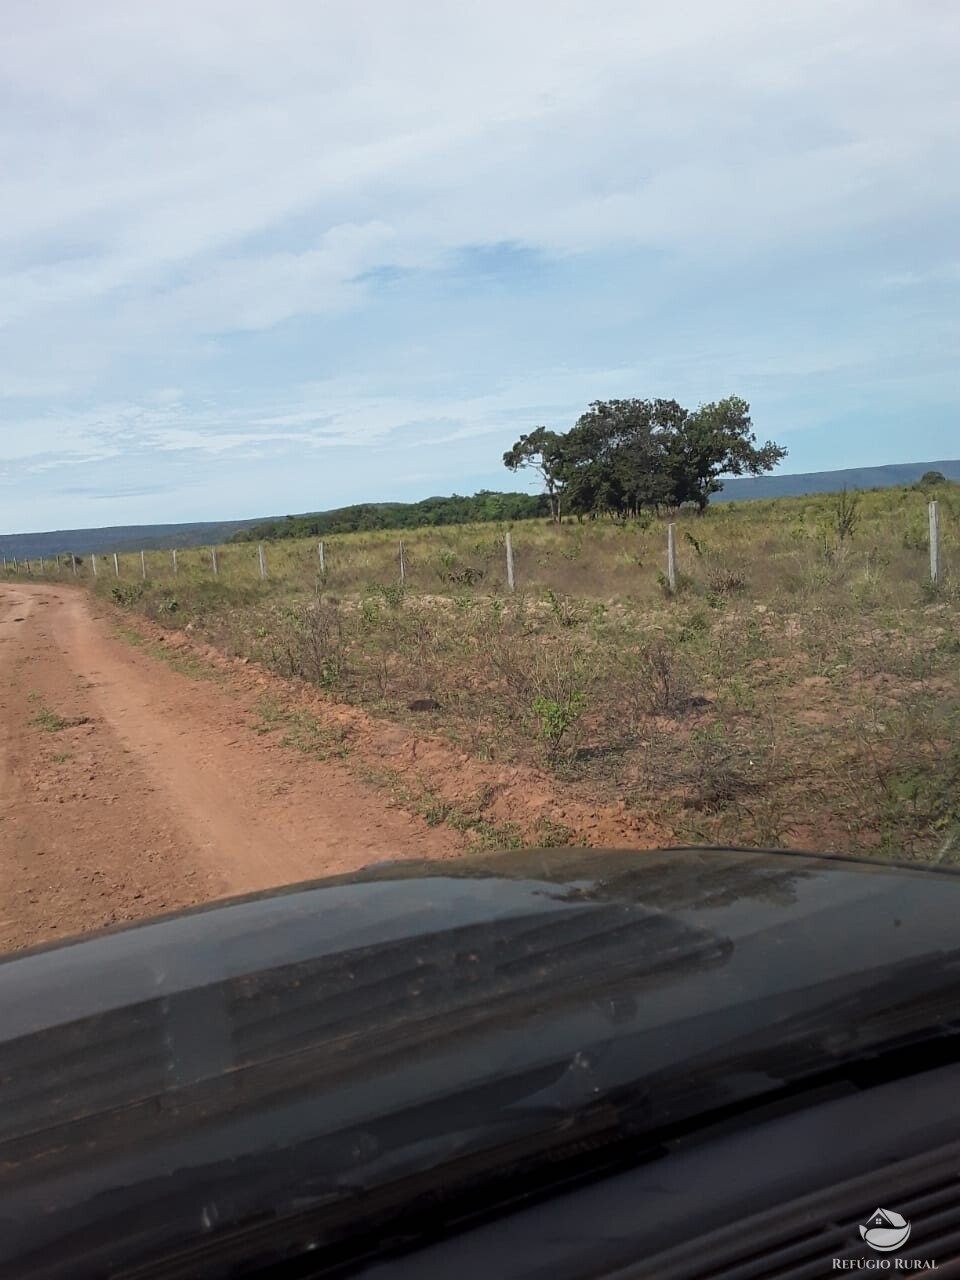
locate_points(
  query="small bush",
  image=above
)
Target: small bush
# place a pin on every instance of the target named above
(557, 717)
(126, 594)
(846, 514)
(723, 581)
(393, 594)
(721, 771)
(697, 623)
(451, 572)
(324, 649)
(369, 614)
(659, 681)
(565, 612)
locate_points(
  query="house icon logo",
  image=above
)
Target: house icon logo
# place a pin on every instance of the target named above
(885, 1230)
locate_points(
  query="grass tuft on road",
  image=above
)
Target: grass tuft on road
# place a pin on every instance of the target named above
(48, 721)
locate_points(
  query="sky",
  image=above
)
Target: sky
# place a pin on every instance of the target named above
(268, 258)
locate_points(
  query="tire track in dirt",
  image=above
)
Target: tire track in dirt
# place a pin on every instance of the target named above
(128, 788)
(71, 859)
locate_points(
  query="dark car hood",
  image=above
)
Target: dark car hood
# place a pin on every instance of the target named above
(310, 1058)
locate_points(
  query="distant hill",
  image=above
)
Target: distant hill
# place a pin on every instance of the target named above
(363, 516)
(399, 515)
(485, 506)
(130, 537)
(742, 488)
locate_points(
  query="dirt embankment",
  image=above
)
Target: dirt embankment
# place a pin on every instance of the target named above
(129, 787)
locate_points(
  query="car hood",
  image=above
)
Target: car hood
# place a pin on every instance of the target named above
(315, 1056)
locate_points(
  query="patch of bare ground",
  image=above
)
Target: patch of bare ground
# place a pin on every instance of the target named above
(130, 786)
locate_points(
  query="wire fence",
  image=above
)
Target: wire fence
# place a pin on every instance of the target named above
(448, 557)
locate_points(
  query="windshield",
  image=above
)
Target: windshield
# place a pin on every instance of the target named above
(509, 1020)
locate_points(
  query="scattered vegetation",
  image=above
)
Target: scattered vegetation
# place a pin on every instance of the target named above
(846, 515)
(126, 594)
(786, 695)
(186, 663)
(420, 797)
(301, 731)
(48, 721)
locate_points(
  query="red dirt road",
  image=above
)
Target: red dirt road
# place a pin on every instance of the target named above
(128, 789)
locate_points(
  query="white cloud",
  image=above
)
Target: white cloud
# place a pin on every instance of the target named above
(145, 145)
(176, 174)
(942, 272)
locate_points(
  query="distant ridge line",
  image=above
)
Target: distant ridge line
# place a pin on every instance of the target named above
(160, 537)
(743, 488)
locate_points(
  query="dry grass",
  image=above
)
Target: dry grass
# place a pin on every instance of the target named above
(801, 689)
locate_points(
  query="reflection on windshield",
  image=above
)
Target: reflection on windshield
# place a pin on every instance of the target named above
(697, 879)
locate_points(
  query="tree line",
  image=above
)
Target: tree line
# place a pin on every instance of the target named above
(622, 456)
(482, 507)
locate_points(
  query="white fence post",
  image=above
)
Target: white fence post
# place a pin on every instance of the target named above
(260, 560)
(73, 561)
(511, 580)
(116, 564)
(213, 560)
(174, 559)
(934, 542)
(58, 564)
(672, 556)
(41, 564)
(143, 566)
(403, 568)
(93, 562)
(323, 567)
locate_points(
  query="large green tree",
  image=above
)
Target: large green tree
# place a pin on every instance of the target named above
(614, 456)
(716, 440)
(623, 455)
(541, 450)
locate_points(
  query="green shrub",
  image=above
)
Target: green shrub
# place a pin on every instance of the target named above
(557, 717)
(126, 594)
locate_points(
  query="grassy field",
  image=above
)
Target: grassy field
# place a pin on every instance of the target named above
(801, 688)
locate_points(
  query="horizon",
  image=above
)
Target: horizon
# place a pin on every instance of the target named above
(532, 488)
(276, 260)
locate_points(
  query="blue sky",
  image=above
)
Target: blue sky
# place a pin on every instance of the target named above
(261, 259)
